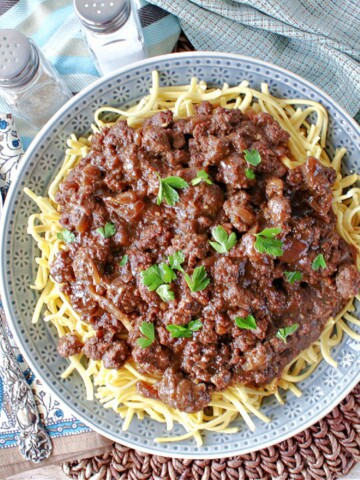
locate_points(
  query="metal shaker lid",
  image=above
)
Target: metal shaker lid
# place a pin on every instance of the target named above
(18, 58)
(102, 15)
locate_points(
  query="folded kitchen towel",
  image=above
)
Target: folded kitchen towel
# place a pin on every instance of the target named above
(318, 39)
(11, 151)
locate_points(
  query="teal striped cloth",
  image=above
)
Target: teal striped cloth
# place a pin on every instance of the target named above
(318, 39)
(54, 27)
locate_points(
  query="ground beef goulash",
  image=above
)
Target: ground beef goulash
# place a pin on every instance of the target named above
(117, 185)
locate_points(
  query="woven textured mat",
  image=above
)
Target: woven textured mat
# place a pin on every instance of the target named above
(328, 450)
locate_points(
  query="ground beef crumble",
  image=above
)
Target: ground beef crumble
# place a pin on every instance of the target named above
(118, 182)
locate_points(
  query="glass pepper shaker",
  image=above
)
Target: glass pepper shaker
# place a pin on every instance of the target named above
(28, 83)
(112, 32)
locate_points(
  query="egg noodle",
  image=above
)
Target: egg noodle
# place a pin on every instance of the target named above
(116, 389)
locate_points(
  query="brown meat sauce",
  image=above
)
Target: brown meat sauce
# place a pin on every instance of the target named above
(117, 182)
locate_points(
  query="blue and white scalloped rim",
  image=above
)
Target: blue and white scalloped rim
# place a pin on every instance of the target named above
(321, 391)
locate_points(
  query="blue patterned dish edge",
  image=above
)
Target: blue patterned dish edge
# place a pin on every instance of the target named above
(322, 391)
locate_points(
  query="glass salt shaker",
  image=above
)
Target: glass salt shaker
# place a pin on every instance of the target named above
(112, 31)
(28, 83)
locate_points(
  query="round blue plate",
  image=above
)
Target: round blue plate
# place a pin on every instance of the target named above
(324, 389)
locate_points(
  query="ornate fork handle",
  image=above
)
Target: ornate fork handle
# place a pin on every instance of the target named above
(34, 442)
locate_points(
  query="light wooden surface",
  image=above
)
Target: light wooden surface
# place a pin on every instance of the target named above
(55, 473)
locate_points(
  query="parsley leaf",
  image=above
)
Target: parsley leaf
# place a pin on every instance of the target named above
(247, 323)
(165, 293)
(224, 242)
(195, 325)
(151, 277)
(266, 243)
(168, 193)
(178, 331)
(270, 246)
(107, 231)
(144, 342)
(319, 262)
(253, 157)
(184, 331)
(199, 280)
(123, 261)
(176, 260)
(148, 330)
(156, 277)
(66, 236)
(250, 174)
(201, 176)
(166, 273)
(283, 333)
(293, 277)
(269, 232)
(167, 189)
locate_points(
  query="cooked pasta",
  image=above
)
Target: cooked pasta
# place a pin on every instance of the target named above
(116, 389)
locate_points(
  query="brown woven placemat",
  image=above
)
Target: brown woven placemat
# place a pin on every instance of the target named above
(327, 450)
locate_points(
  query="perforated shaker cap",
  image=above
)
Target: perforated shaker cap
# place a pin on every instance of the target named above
(18, 58)
(102, 16)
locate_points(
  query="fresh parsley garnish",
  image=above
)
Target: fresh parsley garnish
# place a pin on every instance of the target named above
(199, 279)
(66, 236)
(166, 273)
(167, 189)
(148, 330)
(184, 331)
(107, 231)
(283, 333)
(269, 232)
(151, 277)
(201, 176)
(224, 241)
(123, 261)
(250, 174)
(176, 260)
(319, 262)
(165, 293)
(157, 275)
(267, 243)
(293, 277)
(247, 323)
(253, 157)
